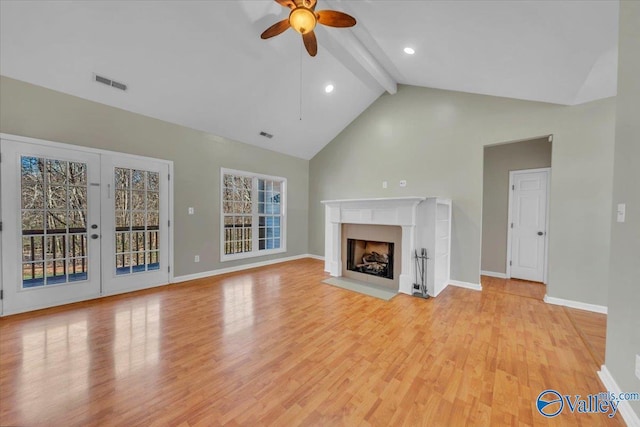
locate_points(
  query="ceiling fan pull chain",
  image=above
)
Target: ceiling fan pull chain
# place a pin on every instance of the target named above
(300, 82)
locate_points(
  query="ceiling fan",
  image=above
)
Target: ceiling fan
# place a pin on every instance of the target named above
(303, 18)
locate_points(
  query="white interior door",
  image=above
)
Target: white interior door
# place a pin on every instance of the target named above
(528, 211)
(51, 226)
(135, 211)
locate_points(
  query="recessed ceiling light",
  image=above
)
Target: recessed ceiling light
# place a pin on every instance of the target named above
(328, 88)
(409, 50)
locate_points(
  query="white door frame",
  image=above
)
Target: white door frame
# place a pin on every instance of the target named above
(510, 218)
(79, 148)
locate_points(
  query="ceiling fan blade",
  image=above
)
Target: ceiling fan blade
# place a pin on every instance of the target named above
(286, 3)
(275, 29)
(310, 43)
(333, 18)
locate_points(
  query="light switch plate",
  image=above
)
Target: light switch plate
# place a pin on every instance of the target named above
(622, 208)
(384, 184)
(638, 366)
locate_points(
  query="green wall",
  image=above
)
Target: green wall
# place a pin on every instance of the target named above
(623, 321)
(33, 111)
(434, 139)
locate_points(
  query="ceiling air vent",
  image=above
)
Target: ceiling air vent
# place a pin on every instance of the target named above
(109, 82)
(266, 135)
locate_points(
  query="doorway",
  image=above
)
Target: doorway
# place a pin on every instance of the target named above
(80, 223)
(499, 161)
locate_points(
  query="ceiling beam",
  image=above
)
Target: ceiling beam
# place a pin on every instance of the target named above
(348, 49)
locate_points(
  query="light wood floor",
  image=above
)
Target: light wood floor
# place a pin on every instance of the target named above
(275, 346)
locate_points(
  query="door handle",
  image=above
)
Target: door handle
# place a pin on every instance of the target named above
(94, 236)
(540, 233)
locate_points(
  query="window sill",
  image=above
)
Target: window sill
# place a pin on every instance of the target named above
(246, 255)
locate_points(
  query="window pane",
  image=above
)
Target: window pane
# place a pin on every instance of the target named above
(138, 202)
(56, 272)
(77, 174)
(123, 220)
(33, 248)
(32, 220)
(77, 246)
(32, 183)
(78, 269)
(122, 200)
(77, 198)
(56, 171)
(32, 275)
(153, 181)
(137, 179)
(153, 220)
(56, 221)
(57, 197)
(153, 201)
(122, 177)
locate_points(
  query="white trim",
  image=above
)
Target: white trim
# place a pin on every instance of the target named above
(210, 273)
(575, 304)
(494, 274)
(318, 257)
(628, 414)
(509, 220)
(466, 285)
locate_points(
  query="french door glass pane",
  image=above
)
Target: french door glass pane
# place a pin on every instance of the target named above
(54, 228)
(137, 211)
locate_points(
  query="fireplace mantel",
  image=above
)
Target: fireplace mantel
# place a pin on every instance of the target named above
(410, 213)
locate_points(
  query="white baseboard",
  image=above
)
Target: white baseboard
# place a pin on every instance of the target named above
(318, 257)
(576, 304)
(493, 274)
(187, 277)
(467, 285)
(628, 414)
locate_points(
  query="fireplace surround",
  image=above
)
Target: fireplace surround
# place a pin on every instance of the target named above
(423, 223)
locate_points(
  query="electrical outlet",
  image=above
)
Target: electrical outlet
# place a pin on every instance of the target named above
(384, 184)
(190, 211)
(638, 366)
(403, 183)
(196, 258)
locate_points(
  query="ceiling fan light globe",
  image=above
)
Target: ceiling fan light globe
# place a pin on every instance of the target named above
(302, 20)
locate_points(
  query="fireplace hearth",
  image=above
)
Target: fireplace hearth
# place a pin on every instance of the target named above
(370, 257)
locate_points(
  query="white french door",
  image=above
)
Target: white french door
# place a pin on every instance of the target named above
(78, 224)
(528, 224)
(50, 226)
(135, 213)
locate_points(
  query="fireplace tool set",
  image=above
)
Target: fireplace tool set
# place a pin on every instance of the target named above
(421, 265)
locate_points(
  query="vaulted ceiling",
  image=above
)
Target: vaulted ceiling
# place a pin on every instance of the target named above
(202, 64)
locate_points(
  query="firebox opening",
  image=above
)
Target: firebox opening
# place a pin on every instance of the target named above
(369, 257)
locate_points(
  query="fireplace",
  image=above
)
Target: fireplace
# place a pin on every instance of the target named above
(370, 257)
(410, 223)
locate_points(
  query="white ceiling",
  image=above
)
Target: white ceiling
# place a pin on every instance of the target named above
(202, 64)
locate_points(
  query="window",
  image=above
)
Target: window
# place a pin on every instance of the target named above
(253, 214)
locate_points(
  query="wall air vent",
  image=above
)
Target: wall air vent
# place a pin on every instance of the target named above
(109, 82)
(266, 135)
